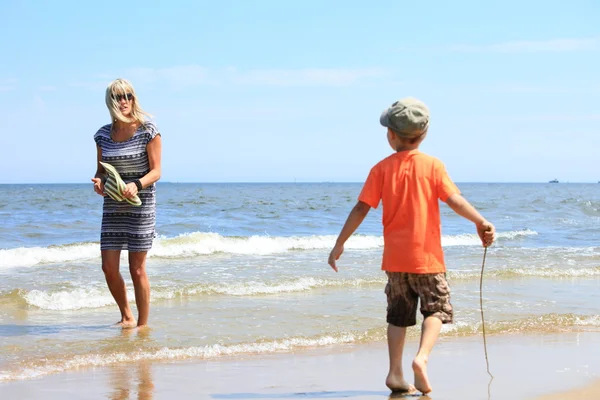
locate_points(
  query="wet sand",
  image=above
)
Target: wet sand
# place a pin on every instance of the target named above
(588, 392)
(545, 367)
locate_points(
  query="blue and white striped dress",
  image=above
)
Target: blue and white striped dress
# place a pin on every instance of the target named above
(124, 226)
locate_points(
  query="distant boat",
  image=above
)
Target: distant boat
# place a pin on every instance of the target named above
(553, 181)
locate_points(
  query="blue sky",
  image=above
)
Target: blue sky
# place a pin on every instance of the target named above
(265, 91)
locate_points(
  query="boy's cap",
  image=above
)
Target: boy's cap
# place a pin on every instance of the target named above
(407, 117)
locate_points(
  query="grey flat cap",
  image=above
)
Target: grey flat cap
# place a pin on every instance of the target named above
(407, 117)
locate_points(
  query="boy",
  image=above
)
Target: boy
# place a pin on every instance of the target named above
(409, 184)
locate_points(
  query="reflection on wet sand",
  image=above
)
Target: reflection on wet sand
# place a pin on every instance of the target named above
(132, 380)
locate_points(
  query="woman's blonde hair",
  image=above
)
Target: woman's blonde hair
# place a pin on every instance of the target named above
(123, 87)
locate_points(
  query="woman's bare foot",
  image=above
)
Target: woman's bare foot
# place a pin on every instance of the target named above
(126, 323)
(398, 384)
(421, 380)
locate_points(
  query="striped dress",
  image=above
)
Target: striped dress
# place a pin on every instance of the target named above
(125, 226)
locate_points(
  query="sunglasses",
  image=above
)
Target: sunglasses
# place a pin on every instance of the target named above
(119, 97)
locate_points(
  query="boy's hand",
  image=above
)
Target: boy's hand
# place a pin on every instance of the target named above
(335, 255)
(487, 233)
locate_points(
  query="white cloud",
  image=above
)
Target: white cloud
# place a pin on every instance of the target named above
(558, 117)
(554, 45)
(91, 85)
(7, 85)
(180, 76)
(305, 77)
(192, 75)
(39, 104)
(549, 88)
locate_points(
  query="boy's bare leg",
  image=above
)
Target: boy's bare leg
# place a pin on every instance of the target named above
(429, 334)
(395, 379)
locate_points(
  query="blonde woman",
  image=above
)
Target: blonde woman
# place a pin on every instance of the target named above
(132, 145)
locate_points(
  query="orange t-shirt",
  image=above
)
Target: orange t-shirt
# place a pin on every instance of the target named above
(409, 184)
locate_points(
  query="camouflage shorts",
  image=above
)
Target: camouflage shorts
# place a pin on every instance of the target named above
(404, 290)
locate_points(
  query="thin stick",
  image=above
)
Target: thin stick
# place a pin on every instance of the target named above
(482, 318)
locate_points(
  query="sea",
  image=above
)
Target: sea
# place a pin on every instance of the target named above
(240, 270)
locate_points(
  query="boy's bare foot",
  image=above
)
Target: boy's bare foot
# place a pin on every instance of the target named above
(421, 380)
(398, 384)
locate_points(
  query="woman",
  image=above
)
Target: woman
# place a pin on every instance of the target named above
(132, 145)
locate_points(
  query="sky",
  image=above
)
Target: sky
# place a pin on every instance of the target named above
(282, 91)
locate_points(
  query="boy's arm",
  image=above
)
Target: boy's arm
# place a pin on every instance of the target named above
(462, 207)
(356, 217)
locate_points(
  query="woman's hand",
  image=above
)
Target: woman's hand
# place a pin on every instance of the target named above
(98, 186)
(130, 190)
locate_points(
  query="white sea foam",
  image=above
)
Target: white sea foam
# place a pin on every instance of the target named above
(38, 367)
(264, 288)
(98, 296)
(199, 244)
(29, 256)
(593, 320)
(70, 299)
(164, 354)
(542, 272)
(95, 297)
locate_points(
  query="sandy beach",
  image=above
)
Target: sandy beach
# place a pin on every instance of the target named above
(591, 391)
(545, 367)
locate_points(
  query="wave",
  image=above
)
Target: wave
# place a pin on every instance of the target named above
(541, 272)
(98, 296)
(95, 297)
(200, 244)
(29, 256)
(69, 299)
(34, 368)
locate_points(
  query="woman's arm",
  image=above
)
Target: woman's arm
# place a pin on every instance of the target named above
(100, 176)
(154, 149)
